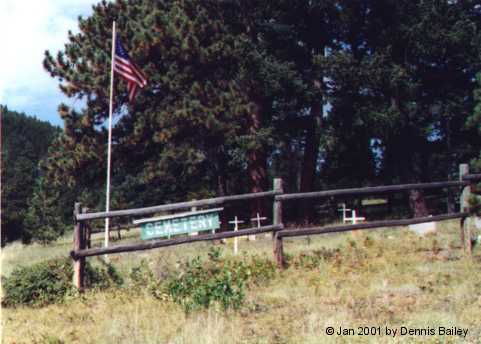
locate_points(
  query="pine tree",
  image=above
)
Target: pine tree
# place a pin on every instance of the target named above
(401, 79)
(474, 121)
(24, 142)
(185, 132)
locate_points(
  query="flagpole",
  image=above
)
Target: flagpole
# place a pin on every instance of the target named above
(109, 149)
(1, 165)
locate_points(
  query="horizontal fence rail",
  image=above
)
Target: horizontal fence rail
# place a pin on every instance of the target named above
(83, 230)
(472, 177)
(370, 190)
(278, 196)
(368, 225)
(174, 206)
(114, 228)
(76, 254)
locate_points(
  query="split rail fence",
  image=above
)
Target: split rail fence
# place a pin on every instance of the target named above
(82, 249)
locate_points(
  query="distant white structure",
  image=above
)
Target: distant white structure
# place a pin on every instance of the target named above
(257, 219)
(354, 219)
(343, 209)
(236, 228)
(423, 228)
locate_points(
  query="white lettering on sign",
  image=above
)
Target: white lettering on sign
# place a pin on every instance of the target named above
(202, 223)
(194, 224)
(181, 225)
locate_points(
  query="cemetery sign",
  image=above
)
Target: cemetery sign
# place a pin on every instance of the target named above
(183, 223)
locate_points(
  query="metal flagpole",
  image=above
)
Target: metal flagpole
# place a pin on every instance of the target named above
(109, 149)
(1, 165)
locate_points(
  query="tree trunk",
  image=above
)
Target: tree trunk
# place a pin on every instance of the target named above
(450, 195)
(309, 165)
(292, 184)
(222, 191)
(450, 202)
(257, 164)
(417, 203)
(406, 162)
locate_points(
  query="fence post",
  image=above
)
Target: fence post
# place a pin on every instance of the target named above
(78, 244)
(464, 207)
(87, 231)
(277, 220)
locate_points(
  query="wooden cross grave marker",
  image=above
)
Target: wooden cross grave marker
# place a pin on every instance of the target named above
(236, 228)
(343, 209)
(354, 219)
(257, 219)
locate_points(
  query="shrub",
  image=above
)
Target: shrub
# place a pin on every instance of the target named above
(216, 281)
(50, 339)
(102, 278)
(141, 275)
(143, 278)
(311, 260)
(39, 284)
(259, 270)
(199, 286)
(49, 281)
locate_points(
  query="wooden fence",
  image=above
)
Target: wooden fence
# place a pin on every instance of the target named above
(82, 229)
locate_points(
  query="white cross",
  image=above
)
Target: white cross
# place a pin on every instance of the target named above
(236, 228)
(354, 218)
(343, 209)
(258, 219)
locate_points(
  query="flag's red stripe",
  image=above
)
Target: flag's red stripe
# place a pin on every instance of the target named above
(129, 71)
(132, 89)
(129, 67)
(135, 70)
(126, 66)
(128, 75)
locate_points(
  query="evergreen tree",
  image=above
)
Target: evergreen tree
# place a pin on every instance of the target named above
(474, 122)
(195, 122)
(24, 142)
(402, 79)
(238, 91)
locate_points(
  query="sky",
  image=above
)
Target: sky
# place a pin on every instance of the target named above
(27, 29)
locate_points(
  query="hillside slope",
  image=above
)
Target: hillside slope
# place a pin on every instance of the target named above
(381, 279)
(25, 141)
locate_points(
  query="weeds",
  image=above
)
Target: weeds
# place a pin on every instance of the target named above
(50, 281)
(202, 283)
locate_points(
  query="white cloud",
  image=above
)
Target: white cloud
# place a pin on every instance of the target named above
(27, 29)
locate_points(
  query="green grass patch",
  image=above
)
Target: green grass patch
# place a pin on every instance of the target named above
(51, 281)
(200, 283)
(389, 277)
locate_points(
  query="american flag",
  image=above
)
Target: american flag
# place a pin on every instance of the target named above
(125, 67)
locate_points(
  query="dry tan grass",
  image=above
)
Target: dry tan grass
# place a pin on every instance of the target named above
(391, 278)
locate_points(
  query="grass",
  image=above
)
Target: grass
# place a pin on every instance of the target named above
(384, 278)
(17, 254)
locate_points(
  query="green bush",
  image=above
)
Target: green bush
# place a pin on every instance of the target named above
(142, 275)
(143, 279)
(50, 281)
(102, 278)
(311, 260)
(201, 284)
(39, 284)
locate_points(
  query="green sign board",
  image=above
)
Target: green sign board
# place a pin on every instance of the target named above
(184, 223)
